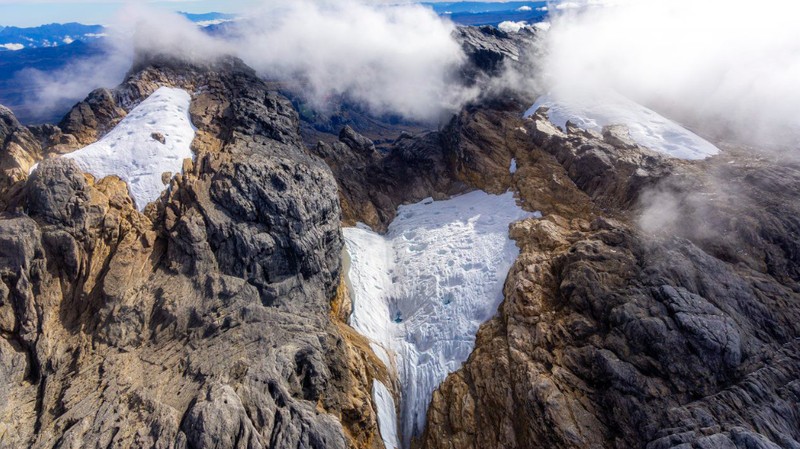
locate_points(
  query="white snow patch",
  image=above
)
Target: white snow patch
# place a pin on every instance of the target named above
(130, 151)
(12, 47)
(513, 168)
(68, 40)
(511, 27)
(647, 128)
(381, 354)
(387, 415)
(422, 290)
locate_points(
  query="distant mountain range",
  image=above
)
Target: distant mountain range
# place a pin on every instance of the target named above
(463, 13)
(482, 7)
(60, 34)
(47, 48)
(16, 91)
(491, 13)
(209, 19)
(52, 35)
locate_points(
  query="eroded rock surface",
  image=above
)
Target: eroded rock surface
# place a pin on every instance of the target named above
(655, 305)
(490, 50)
(472, 151)
(204, 323)
(648, 308)
(19, 151)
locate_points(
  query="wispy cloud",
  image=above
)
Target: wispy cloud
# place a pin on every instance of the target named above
(401, 60)
(722, 63)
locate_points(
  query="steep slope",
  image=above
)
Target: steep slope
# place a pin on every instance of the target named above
(205, 322)
(656, 303)
(421, 291)
(645, 126)
(679, 330)
(146, 147)
(19, 152)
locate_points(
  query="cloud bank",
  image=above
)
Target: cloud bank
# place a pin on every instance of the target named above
(137, 28)
(729, 67)
(398, 60)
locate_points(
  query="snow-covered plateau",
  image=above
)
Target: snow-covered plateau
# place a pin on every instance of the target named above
(647, 128)
(421, 291)
(154, 138)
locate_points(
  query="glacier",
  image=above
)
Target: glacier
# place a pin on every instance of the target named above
(647, 127)
(131, 152)
(421, 291)
(387, 415)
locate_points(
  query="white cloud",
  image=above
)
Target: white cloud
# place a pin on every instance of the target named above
(524, 8)
(511, 27)
(400, 60)
(170, 33)
(206, 23)
(715, 63)
(12, 47)
(397, 59)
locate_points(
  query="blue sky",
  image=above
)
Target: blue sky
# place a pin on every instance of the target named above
(38, 12)
(29, 13)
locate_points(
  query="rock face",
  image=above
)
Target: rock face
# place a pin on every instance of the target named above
(648, 308)
(93, 117)
(373, 185)
(470, 152)
(19, 151)
(489, 49)
(205, 323)
(656, 304)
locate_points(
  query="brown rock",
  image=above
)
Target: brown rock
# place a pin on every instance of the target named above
(19, 152)
(207, 322)
(613, 337)
(158, 137)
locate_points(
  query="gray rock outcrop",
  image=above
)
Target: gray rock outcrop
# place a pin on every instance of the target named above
(656, 305)
(204, 323)
(681, 333)
(19, 152)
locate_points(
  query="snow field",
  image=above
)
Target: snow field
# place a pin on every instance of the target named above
(387, 415)
(131, 152)
(421, 291)
(647, 128)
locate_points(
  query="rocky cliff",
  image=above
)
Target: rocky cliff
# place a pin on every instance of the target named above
(655, 305)
(205, 322)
